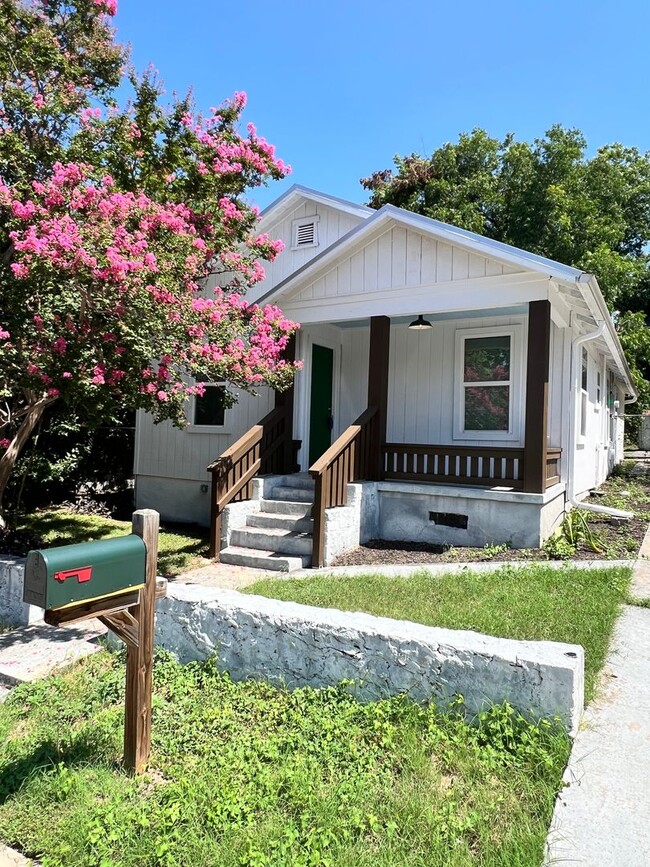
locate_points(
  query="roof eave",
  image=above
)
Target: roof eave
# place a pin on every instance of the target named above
(297, 191)
(600, 312)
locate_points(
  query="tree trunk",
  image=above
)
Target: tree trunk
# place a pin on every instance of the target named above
(24, 432)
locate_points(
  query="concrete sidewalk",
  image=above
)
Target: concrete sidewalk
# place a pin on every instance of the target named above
(602, 817)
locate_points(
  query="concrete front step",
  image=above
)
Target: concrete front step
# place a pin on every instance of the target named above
(293, 495)
(294, 480)
(258, 559)
(279, 540)
(286, 507)
(275, 520)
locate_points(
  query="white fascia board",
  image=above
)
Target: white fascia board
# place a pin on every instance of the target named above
(469, 241)
(485, 246)
(453, 296)
(289, 201)
(590, 290)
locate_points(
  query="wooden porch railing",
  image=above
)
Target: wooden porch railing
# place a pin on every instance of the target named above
(347, 459)
(458, 465)
(262, 449)
(552, 466)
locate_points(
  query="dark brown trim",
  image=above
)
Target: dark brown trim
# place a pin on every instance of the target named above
(378, 356)
(537, 372)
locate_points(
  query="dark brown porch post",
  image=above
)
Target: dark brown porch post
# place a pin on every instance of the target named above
(285, 399)
(378, 389)
(539, 335)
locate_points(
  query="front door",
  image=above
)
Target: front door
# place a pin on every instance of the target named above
(320, 411)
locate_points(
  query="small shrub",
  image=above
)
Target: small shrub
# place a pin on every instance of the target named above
(491, 550)
(558, 547)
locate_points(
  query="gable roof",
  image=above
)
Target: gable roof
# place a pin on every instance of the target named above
(581, 284)
(288, 201)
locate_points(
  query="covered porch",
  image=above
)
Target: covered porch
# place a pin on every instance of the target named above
(381, 403)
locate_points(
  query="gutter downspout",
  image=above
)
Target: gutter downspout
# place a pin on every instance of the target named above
(576, 345)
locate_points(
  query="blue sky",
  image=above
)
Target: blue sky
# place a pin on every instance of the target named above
(340, 87)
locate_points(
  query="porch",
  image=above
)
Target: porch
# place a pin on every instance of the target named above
(513, 462)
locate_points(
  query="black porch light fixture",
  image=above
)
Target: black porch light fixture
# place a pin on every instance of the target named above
(420, 324)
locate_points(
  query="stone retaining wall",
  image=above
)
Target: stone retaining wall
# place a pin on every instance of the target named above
(13, 611)
(299, 645)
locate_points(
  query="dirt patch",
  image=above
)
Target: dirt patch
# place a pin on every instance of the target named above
(604, 538)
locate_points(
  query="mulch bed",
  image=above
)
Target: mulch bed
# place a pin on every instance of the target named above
(629, 490)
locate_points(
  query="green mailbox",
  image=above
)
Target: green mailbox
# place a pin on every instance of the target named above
(57, 577)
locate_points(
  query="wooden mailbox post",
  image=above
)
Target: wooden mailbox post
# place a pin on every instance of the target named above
(128, 612)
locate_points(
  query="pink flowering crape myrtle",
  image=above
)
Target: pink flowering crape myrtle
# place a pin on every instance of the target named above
(105, 259)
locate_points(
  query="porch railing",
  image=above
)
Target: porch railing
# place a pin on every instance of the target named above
(458, 465)
(552, 466)
(347, 459)
(262, 449)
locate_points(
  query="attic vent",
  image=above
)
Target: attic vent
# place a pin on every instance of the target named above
(305, 232)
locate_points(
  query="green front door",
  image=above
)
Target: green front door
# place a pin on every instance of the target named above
(320, 411)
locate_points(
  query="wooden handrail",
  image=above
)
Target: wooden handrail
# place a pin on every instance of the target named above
(348, 458)
(252, 436)
(258, 450)
(327, 458)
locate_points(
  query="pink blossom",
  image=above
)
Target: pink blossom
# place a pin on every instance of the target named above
(162, 396)
(5, 443)
(4, 335)
(67, 375)
(60, 345)
(53, 392)
(107, 6)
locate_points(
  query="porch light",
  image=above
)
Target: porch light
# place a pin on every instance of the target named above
(420, 323)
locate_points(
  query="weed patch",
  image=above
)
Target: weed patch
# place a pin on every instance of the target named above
(247, 775)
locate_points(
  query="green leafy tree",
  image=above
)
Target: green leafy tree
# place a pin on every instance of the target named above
(548, 197)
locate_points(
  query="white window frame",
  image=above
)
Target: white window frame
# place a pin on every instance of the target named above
(224, 428)
(583, 424)
(295, 226)
(516, 381)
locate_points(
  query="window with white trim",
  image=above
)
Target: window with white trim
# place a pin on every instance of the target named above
(210, 407)
(488, 378)
(611, 398)
(584, 393)
(304, 232)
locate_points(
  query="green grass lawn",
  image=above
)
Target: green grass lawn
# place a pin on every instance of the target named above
(179, 547)
(247, 775)
(536, 602)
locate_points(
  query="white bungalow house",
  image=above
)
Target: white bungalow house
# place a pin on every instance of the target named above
(455, 390)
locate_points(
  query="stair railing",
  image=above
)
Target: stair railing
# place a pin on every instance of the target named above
(262, 449)
(348, 459)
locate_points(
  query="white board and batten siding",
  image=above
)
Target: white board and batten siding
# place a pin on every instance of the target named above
(397, 261)
(331, 225)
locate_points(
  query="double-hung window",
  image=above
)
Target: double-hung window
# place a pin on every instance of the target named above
(488, 377)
